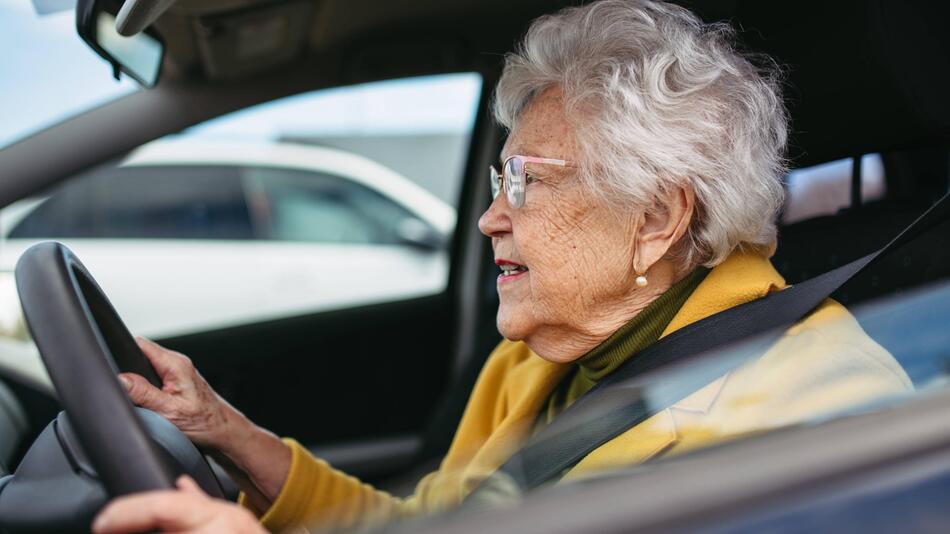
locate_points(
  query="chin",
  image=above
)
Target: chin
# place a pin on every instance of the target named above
(509, 327)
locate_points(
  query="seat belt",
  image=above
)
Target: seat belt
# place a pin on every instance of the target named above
(617, 403)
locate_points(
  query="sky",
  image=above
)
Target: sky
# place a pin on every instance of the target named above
(48, 74)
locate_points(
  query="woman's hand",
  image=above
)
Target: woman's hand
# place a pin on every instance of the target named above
(185, 399)
(257, 460)
(186, 510)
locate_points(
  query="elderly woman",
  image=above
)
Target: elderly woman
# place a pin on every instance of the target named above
(637, 193)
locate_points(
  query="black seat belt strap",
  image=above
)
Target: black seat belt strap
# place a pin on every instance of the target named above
(615, 405)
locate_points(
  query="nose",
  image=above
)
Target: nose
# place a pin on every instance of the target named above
(495, 222)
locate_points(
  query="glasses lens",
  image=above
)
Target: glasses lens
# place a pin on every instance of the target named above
(514, 174)
(495, 182)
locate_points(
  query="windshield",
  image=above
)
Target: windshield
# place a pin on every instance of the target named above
(47, 73)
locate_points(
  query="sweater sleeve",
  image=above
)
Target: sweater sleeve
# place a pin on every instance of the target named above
(319, 496)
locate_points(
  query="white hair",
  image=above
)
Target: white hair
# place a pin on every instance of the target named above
(660, 100)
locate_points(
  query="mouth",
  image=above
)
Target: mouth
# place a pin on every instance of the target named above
(510, 270)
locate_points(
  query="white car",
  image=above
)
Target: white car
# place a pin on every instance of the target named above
(174, 228)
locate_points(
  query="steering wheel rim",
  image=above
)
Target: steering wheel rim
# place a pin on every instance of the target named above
(83, 344)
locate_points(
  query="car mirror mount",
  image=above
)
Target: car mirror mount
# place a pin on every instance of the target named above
(125, 40)
(137, 15)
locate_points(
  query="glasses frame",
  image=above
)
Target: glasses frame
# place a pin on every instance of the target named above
(514, 179)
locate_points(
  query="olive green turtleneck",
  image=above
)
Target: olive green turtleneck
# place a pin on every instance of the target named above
(644, 329)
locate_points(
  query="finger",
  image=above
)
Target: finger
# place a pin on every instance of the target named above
(188, 485)
(163, 510)
(142, 392)
(165, 362)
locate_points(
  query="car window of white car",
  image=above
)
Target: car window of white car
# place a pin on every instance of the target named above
(291, 205)
(144, 203)
(316, 202)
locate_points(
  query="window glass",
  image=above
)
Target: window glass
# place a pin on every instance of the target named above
(53, 77)
(177, 202)
(322, 208)
(316, 202)
(418, 127)
(824, 189)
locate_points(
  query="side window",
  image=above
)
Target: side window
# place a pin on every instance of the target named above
(174, 202)
(315, 202)
(318, 207)
(824, 189)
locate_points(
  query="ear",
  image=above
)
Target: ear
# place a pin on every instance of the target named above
(663, 225)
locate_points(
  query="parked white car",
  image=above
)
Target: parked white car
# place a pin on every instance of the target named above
(174, 228)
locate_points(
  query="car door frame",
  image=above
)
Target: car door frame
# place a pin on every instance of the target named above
(67, 152)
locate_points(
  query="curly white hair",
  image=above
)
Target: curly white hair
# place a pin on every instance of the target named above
(658, 99)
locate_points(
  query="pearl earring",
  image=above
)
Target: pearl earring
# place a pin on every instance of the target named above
(641, 281)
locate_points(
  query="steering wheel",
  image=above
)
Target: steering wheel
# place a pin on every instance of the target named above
(83, 344)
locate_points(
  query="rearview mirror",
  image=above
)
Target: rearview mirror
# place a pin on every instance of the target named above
(138, 56)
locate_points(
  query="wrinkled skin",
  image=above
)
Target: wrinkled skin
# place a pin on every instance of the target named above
(582, 262)
(582, 257)
(256, 459)
(186, 510)
(185, 399)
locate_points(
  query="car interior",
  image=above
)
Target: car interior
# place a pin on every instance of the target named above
(378, 389)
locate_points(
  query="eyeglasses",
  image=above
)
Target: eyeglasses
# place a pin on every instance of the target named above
(514, 178)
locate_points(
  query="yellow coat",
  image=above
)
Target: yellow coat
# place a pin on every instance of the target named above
(823, 363)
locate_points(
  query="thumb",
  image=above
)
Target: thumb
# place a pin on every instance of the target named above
(188, 485)
(141, 391)
(162, 359)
